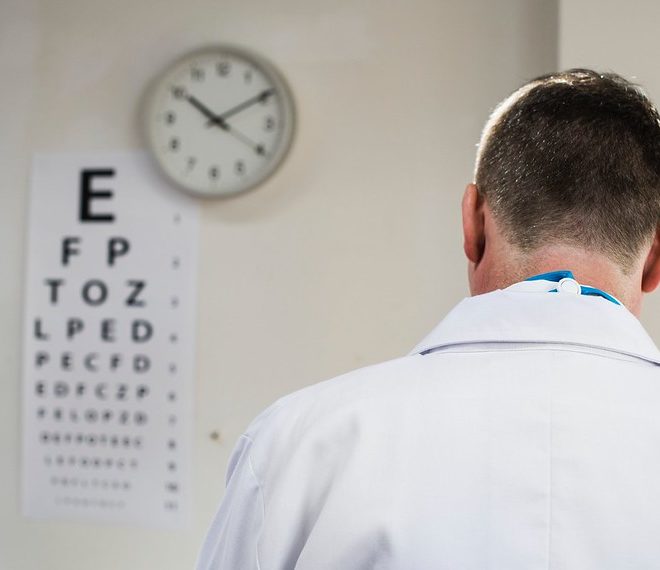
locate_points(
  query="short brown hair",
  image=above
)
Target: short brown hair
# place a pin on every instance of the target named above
(574, 158)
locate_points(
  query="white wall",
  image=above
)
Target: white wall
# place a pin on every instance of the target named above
(609, 35)
(346, 257)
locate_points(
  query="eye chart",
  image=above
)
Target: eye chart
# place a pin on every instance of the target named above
(108, 342)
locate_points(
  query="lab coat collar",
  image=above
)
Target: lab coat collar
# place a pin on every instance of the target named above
(527, 313)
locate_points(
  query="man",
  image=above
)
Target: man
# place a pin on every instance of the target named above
(524, 431)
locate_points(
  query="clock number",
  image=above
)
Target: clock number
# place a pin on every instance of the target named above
(197, 73)
(174, 144)
(170, 117)
(214, 172)
(269, 123)
(178, 92)
(260, 150)
(240, 167)
(223, 68)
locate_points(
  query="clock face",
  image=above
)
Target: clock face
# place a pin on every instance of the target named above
(219, 121)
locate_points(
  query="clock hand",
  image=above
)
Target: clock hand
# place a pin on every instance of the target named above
(258, 148)
(263, 96)
(202, 109)
(220, 121)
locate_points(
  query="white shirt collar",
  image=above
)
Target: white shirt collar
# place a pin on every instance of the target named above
(526, 312)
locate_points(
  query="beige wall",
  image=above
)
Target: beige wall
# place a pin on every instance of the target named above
(346, 257)
(612, 36)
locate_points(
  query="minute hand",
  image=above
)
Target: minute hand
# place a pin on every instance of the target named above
(263, 96)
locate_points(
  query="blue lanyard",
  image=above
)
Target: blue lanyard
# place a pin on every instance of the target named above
(556, 276)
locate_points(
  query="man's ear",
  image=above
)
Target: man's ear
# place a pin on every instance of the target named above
(474, 236)
(651, 272)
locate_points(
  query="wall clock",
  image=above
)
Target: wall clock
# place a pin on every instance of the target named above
(219, 120)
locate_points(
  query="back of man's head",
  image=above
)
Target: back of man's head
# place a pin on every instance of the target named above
(573, 158)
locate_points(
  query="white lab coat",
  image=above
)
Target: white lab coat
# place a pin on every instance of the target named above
(523, 433)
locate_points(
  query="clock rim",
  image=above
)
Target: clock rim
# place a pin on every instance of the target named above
(271, 72)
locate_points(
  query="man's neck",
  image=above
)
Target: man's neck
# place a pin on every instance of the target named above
(589, 268)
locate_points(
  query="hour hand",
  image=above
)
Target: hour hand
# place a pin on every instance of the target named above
(202, 108)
